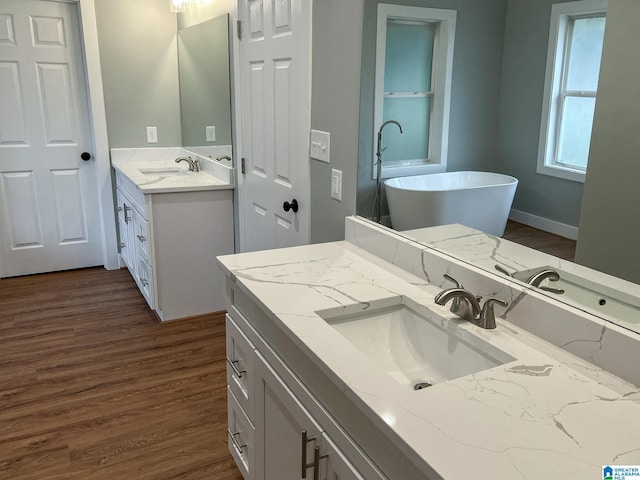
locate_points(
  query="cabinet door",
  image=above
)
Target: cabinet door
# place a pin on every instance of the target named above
(281, 421)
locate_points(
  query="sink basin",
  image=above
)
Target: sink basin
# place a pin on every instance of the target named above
(163, 171)
(416, 349)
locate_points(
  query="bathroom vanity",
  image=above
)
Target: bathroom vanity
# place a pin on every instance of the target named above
(332, 350)
(172, 222)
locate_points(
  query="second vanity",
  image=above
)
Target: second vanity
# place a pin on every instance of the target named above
(171, 220)
(307, 396)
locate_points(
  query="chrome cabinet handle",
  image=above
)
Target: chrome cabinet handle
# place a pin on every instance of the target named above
(119, 209)
(235, 442)
(144, 282)
(305, 440)
(141, 238)
(232, 364)
(316, 462)
(122, 245)
(126, 213)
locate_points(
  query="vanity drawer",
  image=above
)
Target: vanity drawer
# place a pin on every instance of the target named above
(240, 435)
(133, 192)
(141, 238)
(144, 278)
(240, 366)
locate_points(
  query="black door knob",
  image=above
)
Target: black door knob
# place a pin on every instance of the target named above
(86, 156)
(291, 206)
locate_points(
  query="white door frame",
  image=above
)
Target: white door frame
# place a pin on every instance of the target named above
(236, 114)
(100, 143)
(97, 113)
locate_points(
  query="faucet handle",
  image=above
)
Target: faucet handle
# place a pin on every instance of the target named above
(487, 315)
(451, 279)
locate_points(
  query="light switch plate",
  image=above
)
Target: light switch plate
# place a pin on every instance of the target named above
(320, 145)
(336, 184)
(152, 134)
(210, 133)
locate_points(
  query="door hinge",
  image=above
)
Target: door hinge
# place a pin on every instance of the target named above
(243, 164)
(239, 29)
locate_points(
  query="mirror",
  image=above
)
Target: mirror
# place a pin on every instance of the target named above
(205, 93)
(496, 107)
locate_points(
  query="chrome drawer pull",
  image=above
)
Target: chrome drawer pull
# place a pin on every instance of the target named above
(141, 238)
(316, 456)
(316, 462)
(232, 364)
(235, 442)
(126, 213)
(144, 281)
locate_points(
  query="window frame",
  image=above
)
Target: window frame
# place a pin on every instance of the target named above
(442, 68)
(562, 16)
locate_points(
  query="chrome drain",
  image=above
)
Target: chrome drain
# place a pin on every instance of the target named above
(421, 385)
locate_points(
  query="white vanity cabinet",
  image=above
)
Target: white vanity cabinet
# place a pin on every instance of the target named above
(278, 430)
(134, 243)
(169, 242)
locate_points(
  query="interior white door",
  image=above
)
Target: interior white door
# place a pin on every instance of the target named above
(49, 216)
(275, 56)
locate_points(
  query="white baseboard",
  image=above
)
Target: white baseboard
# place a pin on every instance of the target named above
(545, 224)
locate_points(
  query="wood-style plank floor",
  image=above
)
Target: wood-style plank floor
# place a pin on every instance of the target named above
(92, 386)
(540, 240)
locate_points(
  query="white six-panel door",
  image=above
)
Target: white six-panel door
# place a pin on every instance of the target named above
(49, 205)
(275, 56)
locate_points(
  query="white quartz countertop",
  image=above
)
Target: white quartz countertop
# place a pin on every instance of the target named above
(158, 177)
(547, 414)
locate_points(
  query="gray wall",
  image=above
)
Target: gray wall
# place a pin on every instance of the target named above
(521, 94)
(475, 87)
(336, 46)
(137, 41)
(609, 229)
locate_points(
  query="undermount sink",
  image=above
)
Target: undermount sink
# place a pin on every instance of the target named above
(163, 171)
(417, 350)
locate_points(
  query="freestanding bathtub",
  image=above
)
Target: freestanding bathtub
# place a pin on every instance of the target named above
(479, 200)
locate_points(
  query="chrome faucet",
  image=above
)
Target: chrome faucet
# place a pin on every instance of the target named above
(467, 306)
(377, 201)
(194, 165)
(537, 278)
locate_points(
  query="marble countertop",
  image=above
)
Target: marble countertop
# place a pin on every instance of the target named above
(547, 414)
(153, 171)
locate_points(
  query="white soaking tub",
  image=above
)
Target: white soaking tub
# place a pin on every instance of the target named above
(480, 200)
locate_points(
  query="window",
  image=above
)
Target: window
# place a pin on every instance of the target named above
(414, 58)
(573, 67)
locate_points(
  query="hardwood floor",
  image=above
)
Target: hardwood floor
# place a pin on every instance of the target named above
(92, 386)
(540, 240)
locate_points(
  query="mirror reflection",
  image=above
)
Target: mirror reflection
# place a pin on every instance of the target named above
(497, 124)
(205, 93)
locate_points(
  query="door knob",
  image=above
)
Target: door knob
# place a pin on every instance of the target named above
(86, 156)
(291, 206)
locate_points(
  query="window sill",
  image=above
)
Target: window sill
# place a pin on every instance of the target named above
(561, 172)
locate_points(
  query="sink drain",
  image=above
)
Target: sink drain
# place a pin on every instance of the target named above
(421, 385)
